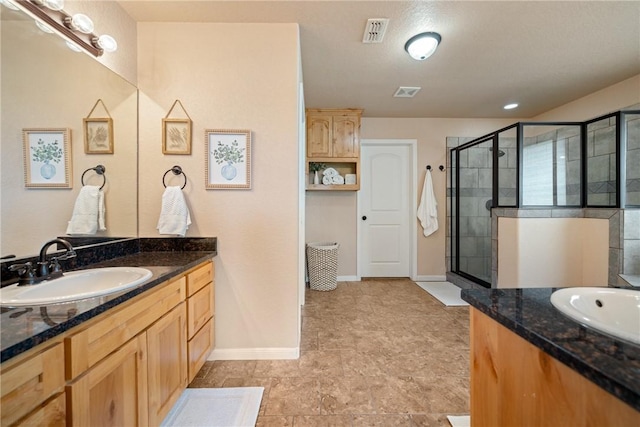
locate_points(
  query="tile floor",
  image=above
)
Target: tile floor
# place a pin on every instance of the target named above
(373, 353)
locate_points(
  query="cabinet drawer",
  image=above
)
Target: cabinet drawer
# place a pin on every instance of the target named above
(31, 382)
(88, 347)
(199, 348)
(51, 414)
(199, 309)
(199, 278)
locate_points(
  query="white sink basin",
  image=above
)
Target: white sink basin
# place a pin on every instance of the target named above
(613, 311)
(75, 285)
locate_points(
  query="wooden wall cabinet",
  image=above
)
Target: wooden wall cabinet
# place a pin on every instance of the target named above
(333, 138)
(514, 383)
(126, 367)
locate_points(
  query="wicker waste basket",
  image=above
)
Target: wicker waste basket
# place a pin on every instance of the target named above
(322, 265)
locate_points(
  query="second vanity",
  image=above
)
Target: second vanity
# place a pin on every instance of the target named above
(532, 365)
(120, 359)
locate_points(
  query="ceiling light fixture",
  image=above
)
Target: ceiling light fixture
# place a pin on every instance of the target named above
(423, 45)
(510, 106)
(75, 30)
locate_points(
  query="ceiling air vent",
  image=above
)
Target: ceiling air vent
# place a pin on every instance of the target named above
(406, 92)
(375, 29)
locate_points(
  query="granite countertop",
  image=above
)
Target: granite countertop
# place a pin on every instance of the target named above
(22, 328)
(611, 363)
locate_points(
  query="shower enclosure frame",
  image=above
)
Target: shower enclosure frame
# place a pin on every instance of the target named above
(493, 137)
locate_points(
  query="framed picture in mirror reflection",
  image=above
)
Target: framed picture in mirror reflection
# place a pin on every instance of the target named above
(98, 135)
(47, 158)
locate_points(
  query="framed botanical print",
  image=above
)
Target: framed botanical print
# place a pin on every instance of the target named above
(228, 159)
(47, 158)
(98, 135)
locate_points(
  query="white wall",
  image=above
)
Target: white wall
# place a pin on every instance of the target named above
(232, 76)
(552, 252)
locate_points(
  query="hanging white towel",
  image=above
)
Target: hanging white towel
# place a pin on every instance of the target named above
(428, 209)
(174, 215)
(88, 212)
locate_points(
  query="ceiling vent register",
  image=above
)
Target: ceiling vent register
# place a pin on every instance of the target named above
(406, 92)
(374, 30)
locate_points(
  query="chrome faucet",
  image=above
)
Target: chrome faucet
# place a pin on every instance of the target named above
(44, 270)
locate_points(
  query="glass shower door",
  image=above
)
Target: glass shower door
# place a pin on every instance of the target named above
(475, 187)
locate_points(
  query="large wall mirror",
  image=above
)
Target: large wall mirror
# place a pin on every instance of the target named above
(45, 85)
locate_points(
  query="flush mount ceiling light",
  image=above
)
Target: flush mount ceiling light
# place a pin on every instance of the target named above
(510, 106)
(423, 45)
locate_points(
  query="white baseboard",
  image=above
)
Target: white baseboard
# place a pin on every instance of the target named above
(430, 279)
(348, 279)
(254, 354)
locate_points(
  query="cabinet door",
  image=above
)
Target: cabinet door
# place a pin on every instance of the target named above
(113, 392)
(346, 136)
(319, 139)
(167, 361)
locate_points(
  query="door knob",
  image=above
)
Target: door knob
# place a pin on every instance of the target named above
(364, 217)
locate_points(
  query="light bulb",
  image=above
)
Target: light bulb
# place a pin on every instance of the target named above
(54, 4)
(9, 4)
(74, 47)
(80, 22)
(107, 43)
(44, 27)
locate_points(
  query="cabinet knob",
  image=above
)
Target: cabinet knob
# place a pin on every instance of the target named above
(364, 217)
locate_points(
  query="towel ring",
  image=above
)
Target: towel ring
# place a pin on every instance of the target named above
(177, 170)
(100, 170)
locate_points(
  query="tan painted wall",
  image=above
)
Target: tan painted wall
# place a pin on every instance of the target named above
(46, 85)
(231, 76)
(612, 98)
(333, 216)
(552, 252)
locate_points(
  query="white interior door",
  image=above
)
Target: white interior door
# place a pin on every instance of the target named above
(385, 210)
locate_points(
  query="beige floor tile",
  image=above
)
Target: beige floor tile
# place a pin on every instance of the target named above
(345, 395)
(373, 353)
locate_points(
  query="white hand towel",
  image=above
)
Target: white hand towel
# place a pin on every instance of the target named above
(88, 212)
(337, 180)
(326, 180)
(428, 210)
(174, 215)
(330, 172)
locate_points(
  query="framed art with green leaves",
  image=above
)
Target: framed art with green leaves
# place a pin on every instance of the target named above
(47, 158)
(228, 159)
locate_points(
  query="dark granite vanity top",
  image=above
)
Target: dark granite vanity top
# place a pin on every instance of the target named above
(611, 363)
(22, 328)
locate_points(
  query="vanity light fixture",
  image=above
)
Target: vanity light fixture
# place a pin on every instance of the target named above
(510, 106)
(423, 45)
(76, 30)
(44, 27)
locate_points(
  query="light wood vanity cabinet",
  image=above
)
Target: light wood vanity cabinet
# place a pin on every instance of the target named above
(125, 367)
(333, 138)
(514, 383)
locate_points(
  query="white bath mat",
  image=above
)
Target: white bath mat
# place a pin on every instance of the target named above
(459, 420)
(445, 292)
(216, 407)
